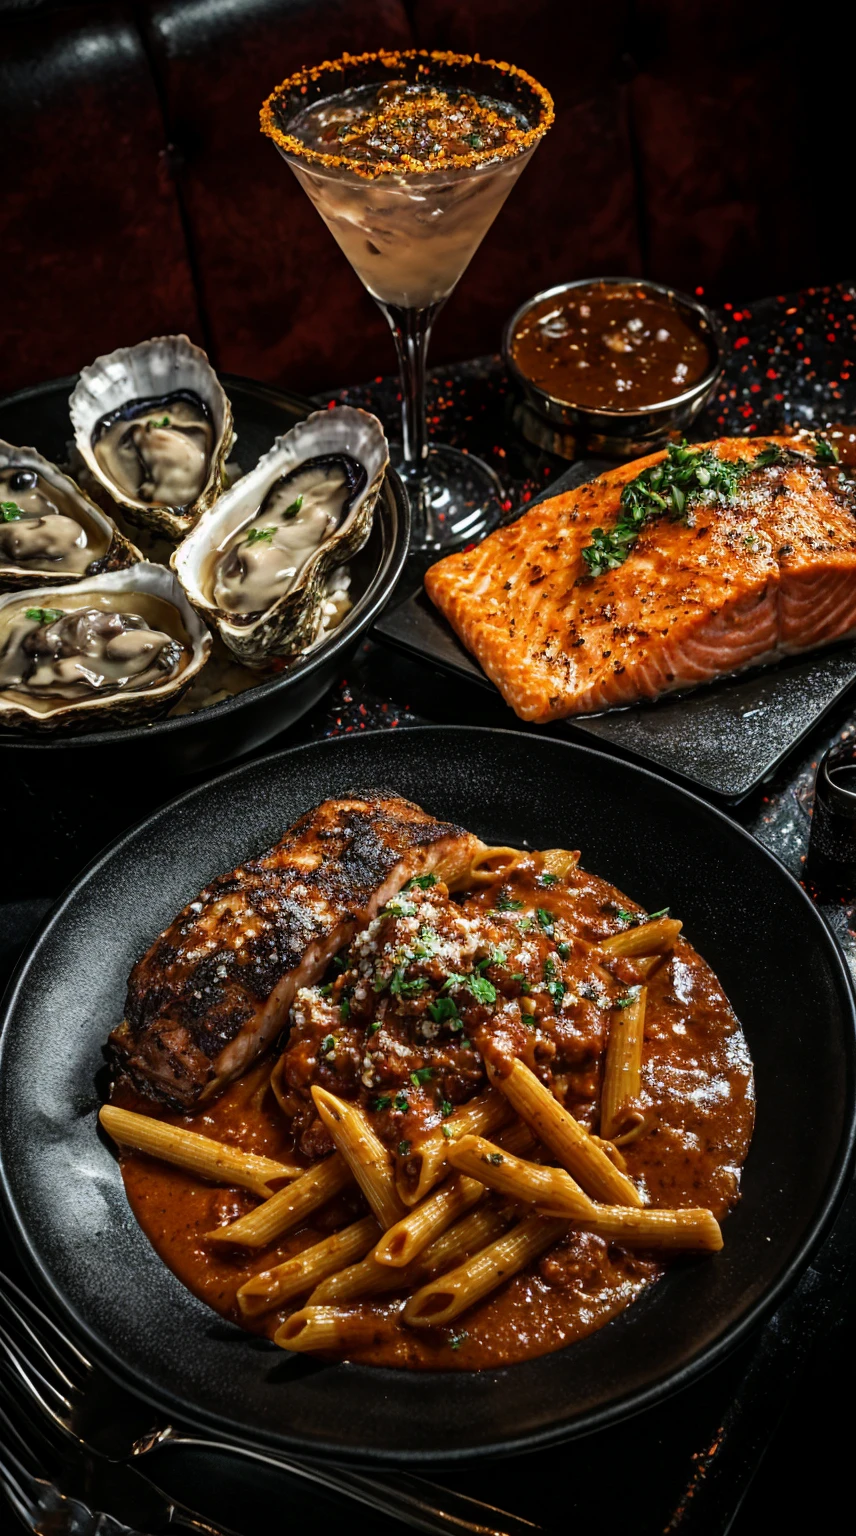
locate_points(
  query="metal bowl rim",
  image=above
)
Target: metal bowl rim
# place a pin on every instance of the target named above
(603, 413)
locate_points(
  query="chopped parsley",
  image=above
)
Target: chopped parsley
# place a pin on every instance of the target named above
(421, 1076)
(293, 510)
(547, 879)
(401, 1102)
(43, 615)
(825, 452)
(404, 1149)
(483, 990)
(493, 1157)
(466, 1044)
(480, 988)
(383, 1102)
(686, 476)
(554, 984)
(164, 422)
(10, 512)
(325, 991)
(496, 957)
(474, 139)
(630, 997)
(447, 1131)
(445, 1108)
(505, 904)
(374, 1027)
(524, 922)
(401, 988)
(345, 1008)
(328, 1045)
(444, 1008)
(429, 943)
(457, 1340)
(545, 918)
(524, 984)
(635, 919)
(563, 951)
(398, 907)
(424, 882)
(260, 535)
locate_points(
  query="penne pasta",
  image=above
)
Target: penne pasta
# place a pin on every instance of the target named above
(443, 1299)
(364, 1153)
(518, 1180)
(307, 1269)
(647, 939)
(371, 1279)
(288, 1207)
(427, 1161)
(566, 1138)
(493, 864)
(213, 1160)
(692, 1229)
(330, 1328)
(424, 1221)
(622, 1076)
(559, 861)
(437, 1211)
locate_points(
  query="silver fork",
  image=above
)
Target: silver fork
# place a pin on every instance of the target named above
(85, 1407)
(35, 1498)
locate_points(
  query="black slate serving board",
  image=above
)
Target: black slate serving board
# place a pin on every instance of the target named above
(726, 738)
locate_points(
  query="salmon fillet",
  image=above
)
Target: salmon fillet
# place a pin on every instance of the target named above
(736, 583)
(214, 989)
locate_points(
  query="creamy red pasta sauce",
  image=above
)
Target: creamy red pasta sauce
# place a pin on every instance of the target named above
(530, 937)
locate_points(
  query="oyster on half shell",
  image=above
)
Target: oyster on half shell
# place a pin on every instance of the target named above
(50, 532)
(111, 650)
(256, 562)
(154, 427)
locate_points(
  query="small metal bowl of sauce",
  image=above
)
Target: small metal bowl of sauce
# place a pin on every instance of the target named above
(611, 365)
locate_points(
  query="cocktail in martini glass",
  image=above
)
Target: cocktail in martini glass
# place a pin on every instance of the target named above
(408, 158)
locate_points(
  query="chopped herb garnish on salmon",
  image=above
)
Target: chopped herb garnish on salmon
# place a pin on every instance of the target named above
(685, 477)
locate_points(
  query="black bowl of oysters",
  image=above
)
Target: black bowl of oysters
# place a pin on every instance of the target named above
(171, 586)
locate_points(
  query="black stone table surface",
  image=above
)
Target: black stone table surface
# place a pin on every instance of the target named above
(687, 1465)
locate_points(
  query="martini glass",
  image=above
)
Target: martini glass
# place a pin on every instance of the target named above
(409, 221)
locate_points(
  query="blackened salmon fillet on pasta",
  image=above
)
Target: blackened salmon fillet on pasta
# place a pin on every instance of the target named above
(581, 606)
(214, 989)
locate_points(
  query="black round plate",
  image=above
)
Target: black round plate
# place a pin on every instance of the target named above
(747, 916)
(237, 725)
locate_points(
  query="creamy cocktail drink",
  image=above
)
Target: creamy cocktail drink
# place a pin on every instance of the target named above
(408, 158)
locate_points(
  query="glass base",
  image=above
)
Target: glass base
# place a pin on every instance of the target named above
(454, 496)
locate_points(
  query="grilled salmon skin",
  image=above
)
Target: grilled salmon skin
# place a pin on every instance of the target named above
(215, 987)
(741, 581)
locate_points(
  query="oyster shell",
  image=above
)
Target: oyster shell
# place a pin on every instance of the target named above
(50, 532)
(110, 650)
(256, 562)
(154, 427)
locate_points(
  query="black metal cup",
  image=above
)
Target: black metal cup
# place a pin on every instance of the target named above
(831, 862)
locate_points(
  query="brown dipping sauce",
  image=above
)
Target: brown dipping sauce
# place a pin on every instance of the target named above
(610, 346)
(697, 1081)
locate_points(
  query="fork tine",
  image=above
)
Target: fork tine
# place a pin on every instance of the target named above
(22, 1326)
(33, 1378)
(24, 1303)
(40, 1436)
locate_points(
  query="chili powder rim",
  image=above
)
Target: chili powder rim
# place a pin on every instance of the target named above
(521, 139)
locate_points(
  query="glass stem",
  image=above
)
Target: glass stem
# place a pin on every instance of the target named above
(412, 331)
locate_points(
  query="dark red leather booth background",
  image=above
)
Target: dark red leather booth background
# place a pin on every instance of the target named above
(694, 143)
